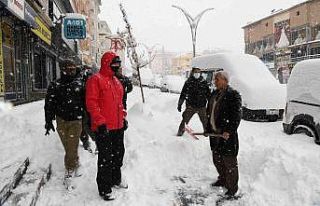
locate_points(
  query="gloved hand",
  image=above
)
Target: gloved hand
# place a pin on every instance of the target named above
(125, 124)
(179, 108)
(49, 126)
(102, 130)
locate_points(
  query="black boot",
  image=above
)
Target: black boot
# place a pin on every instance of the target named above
(86, 145)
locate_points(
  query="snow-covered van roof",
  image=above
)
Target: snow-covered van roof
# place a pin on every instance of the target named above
(304, 82)
(250, 76)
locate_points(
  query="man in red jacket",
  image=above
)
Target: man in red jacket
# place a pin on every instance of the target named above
(104, 103)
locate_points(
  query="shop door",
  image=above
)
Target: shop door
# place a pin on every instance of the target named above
(8, 61)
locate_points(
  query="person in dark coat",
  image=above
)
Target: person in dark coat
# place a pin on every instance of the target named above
(195, 92)
(86, 72)
(64, 103)
(224, 115)
(127, 86)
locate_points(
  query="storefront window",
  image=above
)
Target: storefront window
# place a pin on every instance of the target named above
(40, 71)
(298, 36)
(316, 32)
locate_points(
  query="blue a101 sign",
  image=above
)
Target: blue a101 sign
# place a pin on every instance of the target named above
(74, 28)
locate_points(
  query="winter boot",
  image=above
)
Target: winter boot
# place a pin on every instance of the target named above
(180, 133)
(86, 145)
(108, 196)
(218, 183)
(77, 172)
(122, 185)
(67, 180)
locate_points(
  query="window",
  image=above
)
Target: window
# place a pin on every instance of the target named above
(298, 36)
(298, 13)
(315, 32)
(40, 72)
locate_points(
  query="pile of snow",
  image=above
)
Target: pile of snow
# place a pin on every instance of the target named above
(156, 81)
(174, 83)
(5, 106)
(146, 76)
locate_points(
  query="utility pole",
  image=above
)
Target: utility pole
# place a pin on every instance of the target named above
(132, 47)
(193, 23)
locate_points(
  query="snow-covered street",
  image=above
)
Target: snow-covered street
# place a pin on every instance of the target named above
(163, 169)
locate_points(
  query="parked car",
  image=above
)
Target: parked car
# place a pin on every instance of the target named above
(155, 82)
(263, 97)
(172, 83)
(302, 112)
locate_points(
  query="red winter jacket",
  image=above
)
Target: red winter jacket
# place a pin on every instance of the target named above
(104, 94)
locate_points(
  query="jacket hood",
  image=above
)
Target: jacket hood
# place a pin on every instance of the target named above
(106, 59)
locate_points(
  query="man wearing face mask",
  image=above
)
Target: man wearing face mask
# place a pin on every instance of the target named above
(196, 93)
(104, 103)
(65, 103)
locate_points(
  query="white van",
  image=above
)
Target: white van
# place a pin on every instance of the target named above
(263, 97)
(302, 112)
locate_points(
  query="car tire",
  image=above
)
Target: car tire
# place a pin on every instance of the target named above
(304, 129)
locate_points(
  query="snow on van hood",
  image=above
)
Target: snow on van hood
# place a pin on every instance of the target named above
(250, 76)
(304, 82)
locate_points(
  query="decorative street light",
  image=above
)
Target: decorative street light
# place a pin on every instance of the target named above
(193, 23)
(151, 53)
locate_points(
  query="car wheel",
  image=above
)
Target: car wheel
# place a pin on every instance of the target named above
(303, 129)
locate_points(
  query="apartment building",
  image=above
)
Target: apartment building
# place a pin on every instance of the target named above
(285, 37)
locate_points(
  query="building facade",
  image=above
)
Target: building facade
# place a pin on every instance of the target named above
(31, 46)
(89, 46)
(181, 63)
(285, 37)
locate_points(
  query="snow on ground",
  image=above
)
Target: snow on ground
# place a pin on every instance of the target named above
(275, 169)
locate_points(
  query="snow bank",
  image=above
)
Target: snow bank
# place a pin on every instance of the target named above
(173, 83)
(146, 75)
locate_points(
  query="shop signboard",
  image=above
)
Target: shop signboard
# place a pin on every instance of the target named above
(1, 65)
(16, 7)
(74, 28)
(42, 31)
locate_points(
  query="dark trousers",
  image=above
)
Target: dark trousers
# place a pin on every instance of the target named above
(227, 168)
(189, 112)
(111, 151)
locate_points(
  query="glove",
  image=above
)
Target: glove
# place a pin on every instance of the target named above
(179, 108)
(102, 130)
(49, 126)
(125, 125)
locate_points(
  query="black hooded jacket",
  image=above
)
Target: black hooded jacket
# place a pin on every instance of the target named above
(196, 92)
(127, 88)
(227, 119)
(65, 99)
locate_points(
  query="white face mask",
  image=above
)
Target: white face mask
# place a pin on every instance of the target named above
(196, 75)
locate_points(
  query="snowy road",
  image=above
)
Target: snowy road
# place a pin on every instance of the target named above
(162, 169)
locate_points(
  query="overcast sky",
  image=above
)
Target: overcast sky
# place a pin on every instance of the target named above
(157, 22)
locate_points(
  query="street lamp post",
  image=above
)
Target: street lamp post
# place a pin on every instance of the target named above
(193, 23)
(150, 50)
